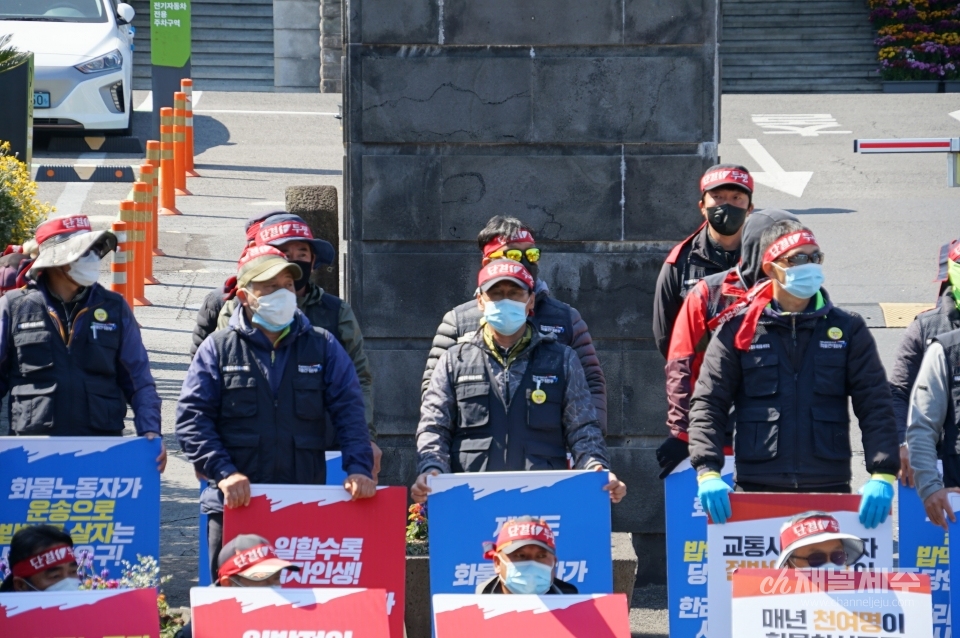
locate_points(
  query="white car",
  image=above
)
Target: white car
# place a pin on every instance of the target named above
(83, 61)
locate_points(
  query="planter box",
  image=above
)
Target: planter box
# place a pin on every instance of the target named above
(417, 612)
(951, 86)
(913, 86)
(16, 110)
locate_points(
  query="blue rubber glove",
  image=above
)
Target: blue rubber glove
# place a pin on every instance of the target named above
(877, 499)
(713, 496)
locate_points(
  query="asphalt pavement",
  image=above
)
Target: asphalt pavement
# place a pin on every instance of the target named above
(879, 218)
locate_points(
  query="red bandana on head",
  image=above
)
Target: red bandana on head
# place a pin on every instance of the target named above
(52, 557)
(502, 241)
(241, 561)
(812, 526)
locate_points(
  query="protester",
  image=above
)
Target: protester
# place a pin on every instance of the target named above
(71, 354)
(726, 199)
(292, 236)
(246, 561)
(508, 397)
(253, 405)
(510, 238)
(933, 429)
(711, 302)
(41, 559)
(525, 560)
(13, 262)
(921, 331)
(789, 363)
(813, 540)
(211, 305)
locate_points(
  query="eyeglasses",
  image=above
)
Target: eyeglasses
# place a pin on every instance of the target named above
(515, 254)
(818, 559)
(801, 259)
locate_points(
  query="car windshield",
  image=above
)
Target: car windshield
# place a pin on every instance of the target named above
(53, 10)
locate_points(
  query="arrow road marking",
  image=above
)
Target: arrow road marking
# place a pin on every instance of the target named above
(791, 183)
(955, 114)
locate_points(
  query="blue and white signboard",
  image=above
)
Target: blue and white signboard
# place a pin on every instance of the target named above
(465, 510)
(103, 491)
(687, 551)
(923, 549)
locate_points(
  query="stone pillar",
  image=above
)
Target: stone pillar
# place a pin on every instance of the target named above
(317, 205)
(592, 122)
(296, 44)
(331, 46)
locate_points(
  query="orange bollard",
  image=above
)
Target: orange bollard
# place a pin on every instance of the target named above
(179, 144)
(168, 193)
(186, 87)
(118, 269)
(128, 214)
(141, 199)
(153, 158)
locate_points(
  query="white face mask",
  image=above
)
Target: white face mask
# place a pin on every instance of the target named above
(274, 311)
(86, 270)
(70, 583)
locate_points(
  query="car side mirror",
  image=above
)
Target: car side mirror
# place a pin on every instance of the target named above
(125, 13)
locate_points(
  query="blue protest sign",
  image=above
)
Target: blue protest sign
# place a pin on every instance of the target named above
(923, 549)
(466, 510)
(687, 551)
(103, 491)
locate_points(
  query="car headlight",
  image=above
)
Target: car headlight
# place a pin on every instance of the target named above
(109, 62)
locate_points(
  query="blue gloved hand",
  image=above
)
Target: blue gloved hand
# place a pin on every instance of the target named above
(877, 499)
(713, 496)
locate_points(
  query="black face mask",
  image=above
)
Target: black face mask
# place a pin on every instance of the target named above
(726, 219)
(306, 268)
(532, 268)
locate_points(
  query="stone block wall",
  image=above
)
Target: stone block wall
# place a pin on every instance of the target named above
(331, 46)
(590, 121)
(296, 48)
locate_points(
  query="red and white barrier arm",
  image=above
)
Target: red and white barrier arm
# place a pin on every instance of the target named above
(919, 145)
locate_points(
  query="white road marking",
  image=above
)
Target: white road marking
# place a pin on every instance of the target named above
(773, 175)
(804, 125)
(147, 104)
(204, 111)
(75, 194)
(955, 114)
(196, 98)
(265, 203)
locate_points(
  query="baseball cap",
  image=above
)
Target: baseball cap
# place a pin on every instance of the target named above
(520, 532)
(504, 270)
(726, 175)
(252, 557)
(63, 240)
(810, 528)
(283, 227)
(263, 263)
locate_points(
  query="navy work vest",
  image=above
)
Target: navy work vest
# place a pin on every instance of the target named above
(948, 449)
(793, 427)
(273, 439)
(65, 385)
(491, 436)
(326, 314)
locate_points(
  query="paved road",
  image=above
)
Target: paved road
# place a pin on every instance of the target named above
(881, 220)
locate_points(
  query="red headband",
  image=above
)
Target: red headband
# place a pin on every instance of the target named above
(501, 241)
(59, 555)
(239, 562)
(283, 230)
(813, 526)
(61, 226)
(516, 531)
(787, 243)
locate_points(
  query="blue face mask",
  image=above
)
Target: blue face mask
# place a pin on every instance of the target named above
(802, 281)
(528, 577)
(505, 316)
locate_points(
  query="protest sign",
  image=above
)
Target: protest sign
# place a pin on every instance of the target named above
(923, 549)
(336, 542)
(103, 491)
(788, 603)
(235, 612)
(750, 539)
(466, 510)
(687, 551)
(106, 613)
(479, 616)
(954, 558)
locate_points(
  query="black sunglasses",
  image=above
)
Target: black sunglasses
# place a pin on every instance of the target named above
(801, 259)
(818, 559)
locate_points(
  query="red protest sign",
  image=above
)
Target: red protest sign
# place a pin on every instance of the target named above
(92, 614)
(261, 612)
(481, 616)
(336, 542)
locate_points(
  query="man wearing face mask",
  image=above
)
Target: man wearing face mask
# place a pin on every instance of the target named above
(525, 560)
(790, 363)
(41, 559)
(71, 354)
(292, 236)
(726, 194)
(508, 398)
(254, 405)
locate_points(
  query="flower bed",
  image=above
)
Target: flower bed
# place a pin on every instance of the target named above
(918, 39)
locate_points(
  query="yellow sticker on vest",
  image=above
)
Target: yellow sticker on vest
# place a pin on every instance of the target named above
(835, 333)
(100, 314)
(538, 396)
